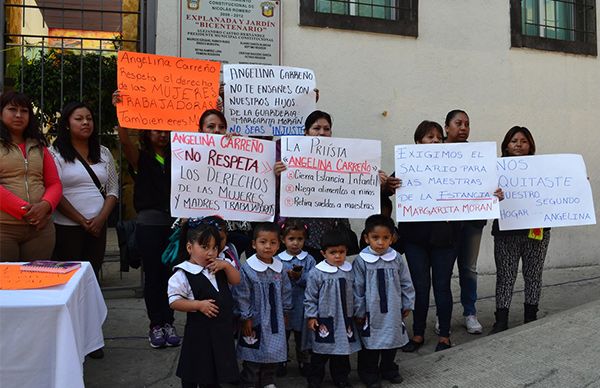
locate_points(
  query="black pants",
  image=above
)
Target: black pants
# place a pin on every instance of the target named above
(302, 356)
(191, 384)
(371, 369)
(152, 241)
(339, 368)
(73, 243)
(256, 374)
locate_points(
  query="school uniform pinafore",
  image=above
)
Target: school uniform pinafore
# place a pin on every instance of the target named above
(208, 352)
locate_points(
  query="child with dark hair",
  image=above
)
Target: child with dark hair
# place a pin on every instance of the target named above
(297, 263)
(227, 250)
(328, 305)
(383, 297)
(200, 287)
(263, 299)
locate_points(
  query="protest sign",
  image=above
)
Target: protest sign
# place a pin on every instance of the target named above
(231, 31)
(268, 100)
(165, 93)
(544, 191)
(330, 177)
(446, 182)
(220, 175)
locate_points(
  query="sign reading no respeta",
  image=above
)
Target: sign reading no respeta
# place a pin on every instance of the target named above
(231, 31)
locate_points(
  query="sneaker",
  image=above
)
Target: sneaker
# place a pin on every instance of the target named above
(472, 324)
(172, 338)
(156, 336)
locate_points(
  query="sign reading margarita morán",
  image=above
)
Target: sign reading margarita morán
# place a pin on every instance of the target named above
(231, 31)
(446, 182)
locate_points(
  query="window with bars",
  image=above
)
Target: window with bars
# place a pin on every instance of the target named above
(382, 16)
(555, 25)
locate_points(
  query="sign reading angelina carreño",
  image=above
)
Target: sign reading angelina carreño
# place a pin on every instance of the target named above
(231, 31)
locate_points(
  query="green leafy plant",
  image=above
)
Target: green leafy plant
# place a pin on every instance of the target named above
(88, 77)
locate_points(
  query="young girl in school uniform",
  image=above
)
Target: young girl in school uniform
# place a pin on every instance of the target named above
(329, 307)
(383, 295)
(226, 249)
(263, 298)
(297, 264)
(200, 287)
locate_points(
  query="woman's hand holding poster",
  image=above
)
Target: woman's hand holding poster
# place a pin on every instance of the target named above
(221, 175)
(330, 177)
(446, 182)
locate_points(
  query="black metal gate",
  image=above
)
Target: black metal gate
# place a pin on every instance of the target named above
(58, 51)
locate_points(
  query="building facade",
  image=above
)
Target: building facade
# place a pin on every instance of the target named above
(385, 66)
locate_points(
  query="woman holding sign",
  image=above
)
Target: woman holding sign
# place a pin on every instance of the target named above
(150, 167)
(457, 131)
(430, 249)
(238, 232)
(319, 123)
(530, 245)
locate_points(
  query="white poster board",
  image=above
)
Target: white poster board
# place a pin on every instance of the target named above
(231, 31)
(220, 175)
(544, 191)
(330, 177)
(268, 100)
(446, 182)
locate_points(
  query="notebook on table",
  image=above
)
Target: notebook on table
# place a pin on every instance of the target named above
(50, 266)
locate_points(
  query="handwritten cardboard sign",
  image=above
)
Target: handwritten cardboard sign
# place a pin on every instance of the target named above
(219, 175)
(445, 182)
(12, 278)
(544, 191)
(330, 177)
(165, 93)
(268, 100)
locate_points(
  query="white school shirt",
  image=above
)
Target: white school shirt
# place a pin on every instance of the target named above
(179, 287)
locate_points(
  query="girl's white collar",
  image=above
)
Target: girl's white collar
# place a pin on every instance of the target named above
(371, 257)
(287, 257)
(324, 266)
(260, 266)
(190, 267)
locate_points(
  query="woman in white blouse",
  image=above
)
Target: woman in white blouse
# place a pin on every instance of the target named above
(90, 187)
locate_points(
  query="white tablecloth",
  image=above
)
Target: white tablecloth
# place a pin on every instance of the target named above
(45, 334)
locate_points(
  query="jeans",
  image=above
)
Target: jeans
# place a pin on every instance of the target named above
(468, 250)
(427, 265)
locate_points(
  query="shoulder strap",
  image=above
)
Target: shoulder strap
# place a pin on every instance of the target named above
(91, 172)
